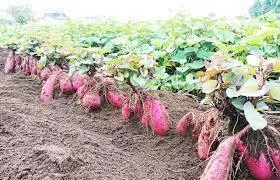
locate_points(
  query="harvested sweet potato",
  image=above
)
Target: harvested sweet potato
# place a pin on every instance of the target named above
(115, 98)
(159, 118)
(219, 166)
(184, 123)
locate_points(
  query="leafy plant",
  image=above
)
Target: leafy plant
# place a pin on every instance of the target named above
(247, 88)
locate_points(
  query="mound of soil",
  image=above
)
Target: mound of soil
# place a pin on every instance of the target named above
(60, 140)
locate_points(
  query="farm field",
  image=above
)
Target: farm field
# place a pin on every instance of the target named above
(183, 98)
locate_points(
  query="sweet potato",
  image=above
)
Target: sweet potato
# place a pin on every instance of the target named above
(18, 59)
(79, 80)
(34, 70)
(146, 118)
(65, 84)
(126, 110)
(10, 63)
(159, 118)
(219, 166)
(82, 91)
(33, 66)
(259, 168)
(115, 98)
(275, 155)
(204, 141)
(45, 73)
(184, 123)
(17, 63)
(48, 88)
(26, 68)
(91, 100)
(137, 107)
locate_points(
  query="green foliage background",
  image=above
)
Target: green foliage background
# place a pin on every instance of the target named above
(163, 54)
(261, 7)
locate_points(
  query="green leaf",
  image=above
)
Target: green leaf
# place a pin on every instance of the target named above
(253, 117)
(232, 92)
(87, 61)
(159, 71)
(84, 69)
(204, 54)
(209, 86)
(190, 50)
(140, 81)
(261, 106)
(148, 63)
(180, 57)
(195, 64)
(182, 69)
(133, 80)
(239, 102)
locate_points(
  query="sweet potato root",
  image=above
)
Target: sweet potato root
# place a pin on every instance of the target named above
(115, 98)
(91, 100)
(159, 118)
(48, 88)
(184, 123)
(219, 165)
(10, 63)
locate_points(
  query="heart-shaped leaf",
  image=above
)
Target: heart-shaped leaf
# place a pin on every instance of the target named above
(195, 64)
(232, 92)
(239, 102)
(253, 117)
(274, 90)
(261, 106)
(250, 88)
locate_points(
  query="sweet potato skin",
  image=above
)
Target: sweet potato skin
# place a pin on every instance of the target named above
(275, 155)
(10, 63)
(146, 118)
(219, 165)
(126, 109)
(115, 98)
(91, 100)
(184, 123)
(65, 84)
(159, 119)
(79, 80)
(137, 108)
(48, 88)
(82, 91)
(45, 73)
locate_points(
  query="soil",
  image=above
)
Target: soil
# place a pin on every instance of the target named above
(61, 140)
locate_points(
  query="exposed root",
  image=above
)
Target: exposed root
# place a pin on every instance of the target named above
(206, 129)
(238, 166)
